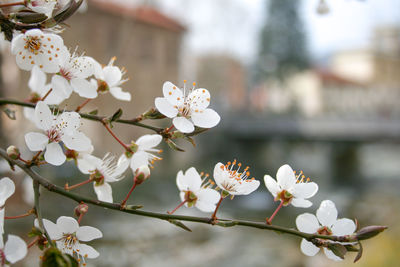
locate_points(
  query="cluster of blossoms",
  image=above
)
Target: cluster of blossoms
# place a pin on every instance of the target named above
(60, 139)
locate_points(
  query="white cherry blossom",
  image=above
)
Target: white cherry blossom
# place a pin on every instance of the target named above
(69, 236)
(196, 192)
(42, 6)
(7, 189)
(13, 250)
(187, 110)
(35, 47)
(234, 181)
(325, 223)
(109, 78)
(142, 152)
(102, 171)
(57, 128)
(291, 189)
(72, 76)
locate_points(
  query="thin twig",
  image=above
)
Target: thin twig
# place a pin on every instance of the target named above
(36, 184)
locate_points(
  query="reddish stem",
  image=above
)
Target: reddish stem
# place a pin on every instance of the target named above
(214, 216)
(18, 216)
(80, 218)
(47, 94)
(268, 220)
(35, 157)
(177, 207)
(115, 137)
(77, 185)
(22, 3)
(34, 241)
(169, 129)
(128, 195)
(82, 105)
(24, 161)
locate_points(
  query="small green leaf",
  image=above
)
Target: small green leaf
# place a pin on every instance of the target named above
(133, 207)
(29, 17)
(359, 254)
(190, 140)
(179, 224)
(94, 112)
(338, 249)
(172, 145)
(152, 114)
(10, 113)
(116, 115)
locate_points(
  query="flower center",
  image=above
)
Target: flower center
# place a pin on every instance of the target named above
(97, 177)
(54, 135)
(33, 44)
(66, 74)
(324, 231)
(185, 110)
(69, 241)
(190, 198)
(285, 197)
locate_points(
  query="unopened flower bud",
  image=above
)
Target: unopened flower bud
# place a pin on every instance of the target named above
(141, 174)
(152, 114)
(81, 209)
(13, 152)
(369, 231)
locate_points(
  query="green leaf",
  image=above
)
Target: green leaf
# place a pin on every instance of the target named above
(179, 224)
(359, 254)
(10, 113)
(29, 17)
(94, 112)
(54, 258)
(133, 207)
(116, 115)
(338, 249)
(172, 145)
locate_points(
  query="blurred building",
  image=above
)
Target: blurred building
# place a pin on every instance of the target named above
(226, 78)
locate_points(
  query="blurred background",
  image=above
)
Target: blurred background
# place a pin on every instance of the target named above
(312, 83)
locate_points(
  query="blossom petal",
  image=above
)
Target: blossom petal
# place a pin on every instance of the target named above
(307, 223)
(54, 154)
(87, 162)
(84, 66)
(327, 213)
(88, 250)
(190, 181)
(103, 192)
(2, 211)
(272, 185)
(123, 163)
(15, 249)
(199, 98)
(331, 255)
(78, 141)
(180, 181)
(246, 187)
(173, 94)
(51, 228)
(219, 174)
(148, 141)
(84, 88)
(119, 94)
(61, 86)
(285, 177)
(304, 190)
(183, 124)
(37, 80)
(67, 225)
(69, 122)
(112, 75)
(207, 199)
(308, 248)
(301, 203)
(207, 118)
(36, 141)
(139, 159)
(343, 227)
(7, 189)
(44, 117)
(88, 233)
(165, 108)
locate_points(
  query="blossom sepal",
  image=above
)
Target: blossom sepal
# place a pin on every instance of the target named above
(369, 232)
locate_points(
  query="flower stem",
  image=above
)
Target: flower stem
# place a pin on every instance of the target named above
(22, 3)
(80, 218)
(169, 129)
(82, 105)
(177, 207)
(29, 213)
(214, 216)
(34, 241)
(47, 94)
(269, 220)
(24, 161)
(128, 195)
(115, 137)
(67, 187)
(35, 157)
(39, 212)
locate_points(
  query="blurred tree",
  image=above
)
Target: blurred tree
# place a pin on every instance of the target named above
(282, 42)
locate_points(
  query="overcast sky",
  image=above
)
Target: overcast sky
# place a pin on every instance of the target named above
(232, 26)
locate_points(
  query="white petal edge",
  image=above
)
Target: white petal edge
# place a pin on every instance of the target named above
(54, 154)
(272, 185)
(285, 177)
(36, 141)
(15, 249)
(308, 248)
(307, 223)
(88, 233)
(7, 189)
(327, 213)
(165, 108)
(103, 192)
(343, 227)
(67, 225)
(183, 125)
(207, 118)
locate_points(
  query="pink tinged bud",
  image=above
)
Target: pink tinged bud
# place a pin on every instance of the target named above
(13, 152)
(81, 209)
(141, 174)
(370, 231)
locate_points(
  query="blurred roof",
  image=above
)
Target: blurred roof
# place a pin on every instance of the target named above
(329, 77)
(144, 14)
